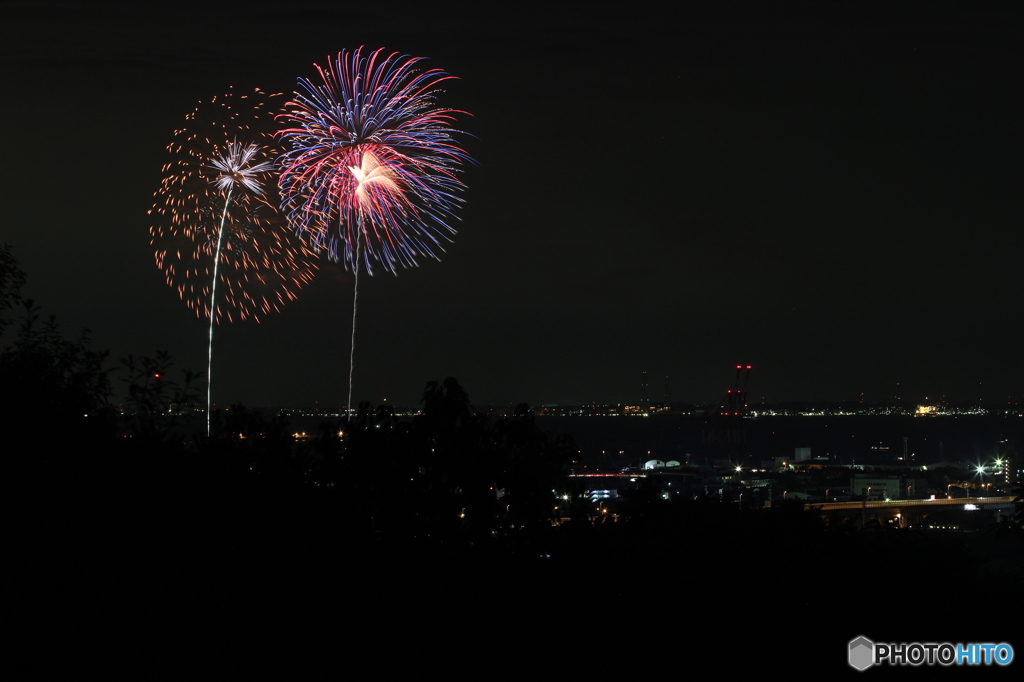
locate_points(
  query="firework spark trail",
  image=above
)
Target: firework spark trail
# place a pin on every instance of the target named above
(218, 206)
(352, 340)
(213, 303)
(370, 163)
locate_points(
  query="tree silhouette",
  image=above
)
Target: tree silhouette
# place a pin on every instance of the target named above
(156, 404)
(12, 279)
(58, 389)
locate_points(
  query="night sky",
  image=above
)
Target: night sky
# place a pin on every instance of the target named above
(831, 192)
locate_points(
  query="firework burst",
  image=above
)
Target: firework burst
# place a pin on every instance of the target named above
(370, 162)
(222, 174)
(217, 231)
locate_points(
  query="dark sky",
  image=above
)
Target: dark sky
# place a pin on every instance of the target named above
(831, 192)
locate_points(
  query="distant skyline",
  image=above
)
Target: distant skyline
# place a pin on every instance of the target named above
(413, 406)
(832, 193)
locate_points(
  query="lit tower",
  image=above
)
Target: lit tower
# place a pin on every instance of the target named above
(724, 435)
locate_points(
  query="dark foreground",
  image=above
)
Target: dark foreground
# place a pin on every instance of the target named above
(170, 572)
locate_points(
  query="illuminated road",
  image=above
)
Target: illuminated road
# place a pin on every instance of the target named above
(981, 502)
